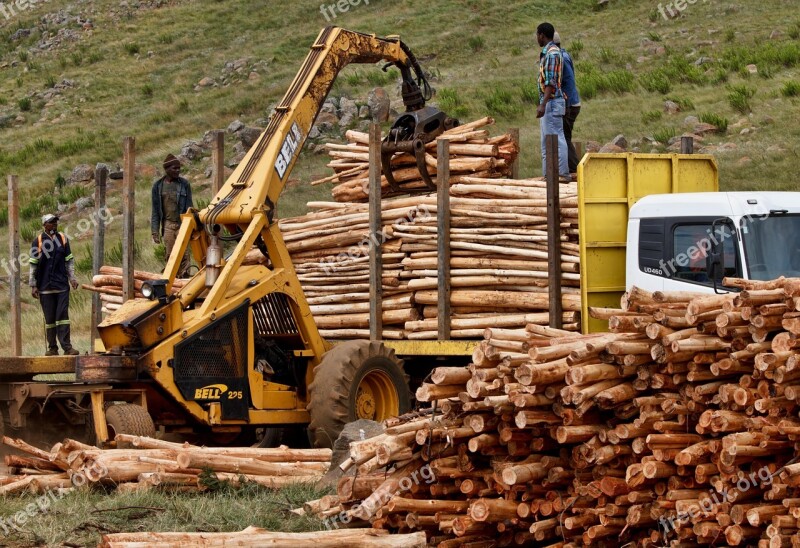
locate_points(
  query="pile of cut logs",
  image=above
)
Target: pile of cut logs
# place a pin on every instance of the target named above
(148, 463)
(681, 426)
(472, 152)
(498, 242)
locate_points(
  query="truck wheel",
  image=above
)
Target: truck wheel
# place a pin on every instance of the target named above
(355, 380)
(129, 418)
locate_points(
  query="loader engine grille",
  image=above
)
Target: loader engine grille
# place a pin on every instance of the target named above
(272, 315)
(218, 350)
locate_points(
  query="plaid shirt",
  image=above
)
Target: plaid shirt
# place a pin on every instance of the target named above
(550, 70)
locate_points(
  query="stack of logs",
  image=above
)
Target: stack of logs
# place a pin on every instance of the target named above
(678, 428)
(498, 243)
(155, 464)
(472, 152)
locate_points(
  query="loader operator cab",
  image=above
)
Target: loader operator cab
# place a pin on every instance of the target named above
(683, 242)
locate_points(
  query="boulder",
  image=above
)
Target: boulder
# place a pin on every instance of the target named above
(81, 173)
(206, 82)
(609, 148)
(249, 135)
(236, 125)
(84, 203)
(192, 151)
(348, 111)
(593, 146)
(704, 129)
(671, 107)
(361, 429)
(620, 141)
(379, 104)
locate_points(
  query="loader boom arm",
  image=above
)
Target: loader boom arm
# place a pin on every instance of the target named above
(261, 176)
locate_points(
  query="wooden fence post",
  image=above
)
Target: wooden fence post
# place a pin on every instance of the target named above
(687, 145)
(514, 132)
(98, 245)
(375, 236)
(553, 232)
(15, 270)
(128, 208)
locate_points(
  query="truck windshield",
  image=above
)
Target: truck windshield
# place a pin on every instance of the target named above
(772, 246)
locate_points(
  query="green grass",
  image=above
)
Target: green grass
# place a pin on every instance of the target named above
(81, 517)
(791, 89)
(593, 81)
(651, 116)
(684, 103)
(476, 43)
(503, 102)
(664, 135)
(451, 102)
(739, 98)
(720, 122)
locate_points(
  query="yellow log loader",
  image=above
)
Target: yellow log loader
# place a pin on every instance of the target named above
(237, 348)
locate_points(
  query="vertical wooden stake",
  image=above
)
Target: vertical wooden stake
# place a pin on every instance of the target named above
(16, 266)
(443, 236)
(98, 245)
(375, 236)
(687, 145)
(553, 233)
(514, 132)
(218, 162)
(128, 226)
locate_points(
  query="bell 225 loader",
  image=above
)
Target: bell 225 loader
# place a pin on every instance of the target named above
(237, 348)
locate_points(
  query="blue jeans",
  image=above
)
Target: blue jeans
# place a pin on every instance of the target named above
(552, 123)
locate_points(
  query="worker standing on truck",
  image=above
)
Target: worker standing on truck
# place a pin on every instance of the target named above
(171, 197)
(573, 103)
(552, 106)
(52, 272)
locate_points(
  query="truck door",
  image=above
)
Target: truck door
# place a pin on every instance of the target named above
(673, 253)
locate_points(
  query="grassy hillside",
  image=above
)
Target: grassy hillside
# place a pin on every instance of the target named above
(134, 71)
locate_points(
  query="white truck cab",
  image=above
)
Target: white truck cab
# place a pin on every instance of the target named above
(681, 242)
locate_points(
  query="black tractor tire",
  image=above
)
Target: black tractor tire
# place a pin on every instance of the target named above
(348, 385)
(129, 418)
